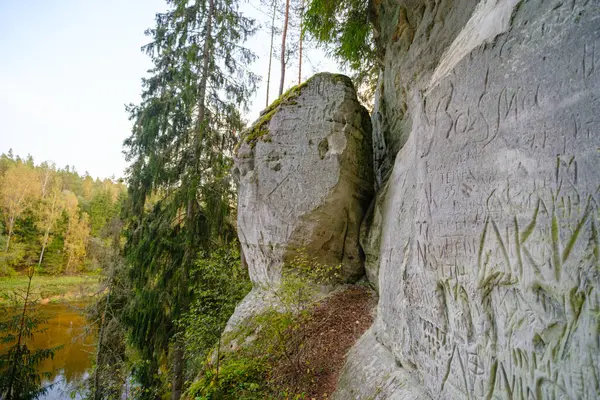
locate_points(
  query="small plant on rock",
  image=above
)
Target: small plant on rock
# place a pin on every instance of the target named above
(274, 363)
(303, 281)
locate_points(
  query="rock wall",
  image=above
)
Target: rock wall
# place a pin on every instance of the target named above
(484, 239)
(305, 182)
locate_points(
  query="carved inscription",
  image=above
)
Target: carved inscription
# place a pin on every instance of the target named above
(504, 224)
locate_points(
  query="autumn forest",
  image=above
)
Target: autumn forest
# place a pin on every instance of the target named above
(54, 218)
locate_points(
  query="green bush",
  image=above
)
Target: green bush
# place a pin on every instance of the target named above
(219, 284)
(12, 259)
(241, 376)
(278, 339)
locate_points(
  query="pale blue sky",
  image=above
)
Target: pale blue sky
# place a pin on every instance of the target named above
(67, 67)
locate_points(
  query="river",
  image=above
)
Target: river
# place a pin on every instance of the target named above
(72, 363)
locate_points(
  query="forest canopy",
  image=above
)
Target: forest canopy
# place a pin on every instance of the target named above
(54, 210)
(165, 242)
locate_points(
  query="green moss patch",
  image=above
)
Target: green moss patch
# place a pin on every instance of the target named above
(260, 129)
(339, 78)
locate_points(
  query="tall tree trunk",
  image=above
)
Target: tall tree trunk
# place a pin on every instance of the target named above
(178, 355)
(69, 260)
(178, 363)
(200, 125)
(11, 225)
(97, 391)
(300, 50)
(45, 183)
(47, 233)
(271, 50)
(283, 39)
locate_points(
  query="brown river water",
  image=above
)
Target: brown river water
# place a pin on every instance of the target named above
(71, 365)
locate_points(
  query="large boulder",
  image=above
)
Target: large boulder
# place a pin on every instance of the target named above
(306, 180)
(485, 242)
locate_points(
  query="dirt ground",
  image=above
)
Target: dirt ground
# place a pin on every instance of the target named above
(333, 326)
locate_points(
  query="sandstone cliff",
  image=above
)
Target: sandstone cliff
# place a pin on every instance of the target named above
(483, 239)
(483, 236)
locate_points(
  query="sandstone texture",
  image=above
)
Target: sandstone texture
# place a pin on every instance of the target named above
(374, 374)
(305, 182)
(484, 239)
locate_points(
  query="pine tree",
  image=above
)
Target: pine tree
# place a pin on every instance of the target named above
(180, 152)
(283, 45)
(110, 367)
(273, 5)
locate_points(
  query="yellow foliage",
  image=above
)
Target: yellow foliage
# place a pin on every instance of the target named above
(18, 189)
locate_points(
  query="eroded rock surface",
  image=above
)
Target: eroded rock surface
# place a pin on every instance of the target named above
(487, 241)
(305, 181)
(374, 374)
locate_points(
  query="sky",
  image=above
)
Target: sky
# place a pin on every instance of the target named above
(68, 67)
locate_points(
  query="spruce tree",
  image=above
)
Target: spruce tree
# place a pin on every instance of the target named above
(181, 196)
(345, 30)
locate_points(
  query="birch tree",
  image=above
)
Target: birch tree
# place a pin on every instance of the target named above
(49, 210)
(78, 232)
(18, 190)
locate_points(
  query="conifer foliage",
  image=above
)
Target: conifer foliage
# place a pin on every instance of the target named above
(181, 195)
(19, 377)
(345, 28)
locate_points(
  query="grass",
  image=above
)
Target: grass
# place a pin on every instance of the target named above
(50, 288)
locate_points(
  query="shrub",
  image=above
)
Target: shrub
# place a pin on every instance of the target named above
(279, 340)
(241, 375)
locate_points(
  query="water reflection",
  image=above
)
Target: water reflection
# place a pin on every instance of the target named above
(67, 326)
(61, 389)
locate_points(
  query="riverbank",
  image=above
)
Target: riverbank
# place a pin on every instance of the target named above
(50, 289)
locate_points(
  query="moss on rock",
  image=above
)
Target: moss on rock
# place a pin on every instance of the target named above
(260, 129)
